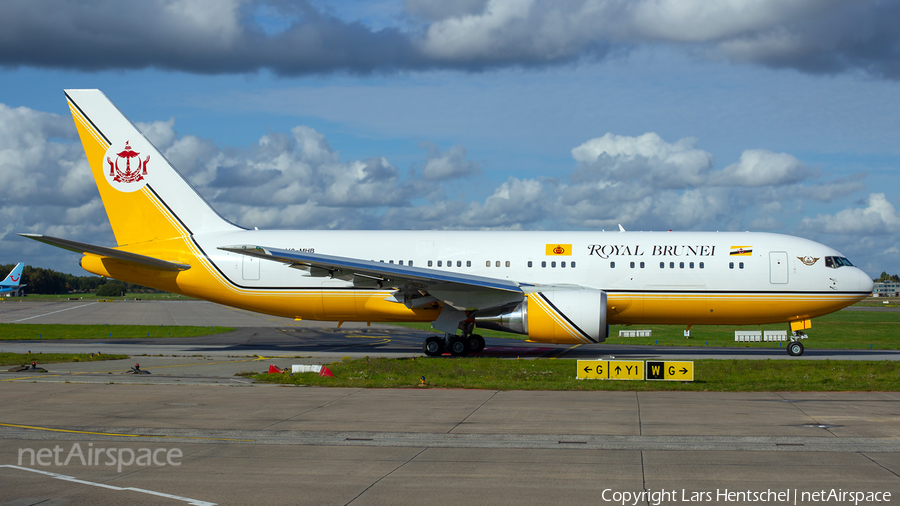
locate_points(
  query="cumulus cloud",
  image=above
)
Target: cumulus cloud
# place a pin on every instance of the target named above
(233, 36)
(450, 164)
(646, 159)
(760, 167)
(877, 218)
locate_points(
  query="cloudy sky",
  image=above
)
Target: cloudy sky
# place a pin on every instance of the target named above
(766, 115)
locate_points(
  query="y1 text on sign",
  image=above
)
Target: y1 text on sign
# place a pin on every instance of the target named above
(593, 369)
(670, 371)
(626, 369)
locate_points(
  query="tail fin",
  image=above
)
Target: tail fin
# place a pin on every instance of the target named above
(15, 276)
(145, 198)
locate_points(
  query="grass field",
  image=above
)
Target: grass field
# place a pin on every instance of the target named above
(53, 358)
(548, 374)
(843, 330)
(21, 331)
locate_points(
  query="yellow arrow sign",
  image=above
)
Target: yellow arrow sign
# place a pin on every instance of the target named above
(593, 369)
(626, 369)
(670, 371)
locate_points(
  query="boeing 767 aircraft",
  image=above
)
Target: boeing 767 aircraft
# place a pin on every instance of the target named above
(554, 287)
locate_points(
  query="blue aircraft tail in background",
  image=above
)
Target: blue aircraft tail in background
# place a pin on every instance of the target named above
(11, 283)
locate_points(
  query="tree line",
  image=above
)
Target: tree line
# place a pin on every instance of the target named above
(48, 281)
(887, 277)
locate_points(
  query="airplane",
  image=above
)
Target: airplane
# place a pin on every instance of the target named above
(554, 287)
(10, 284)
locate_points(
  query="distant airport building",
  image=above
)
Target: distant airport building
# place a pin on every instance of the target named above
(886, 289)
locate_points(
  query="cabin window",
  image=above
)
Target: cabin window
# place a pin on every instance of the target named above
(439, 263)
(449, 263)
(459, 263)
(553, 264)
(632, 265)
(642, 265)
(497, 264)
(468, 263)
(401, 262)
(529, 263)
(662, 265)
(572, 265)
(410, 263)
(691, 265)
(612, 265)
(544, 264)
(681, 265)
(507, 263)
(701, 265)
(429, 263)
(731, 265)
(562, 264)
(487, 264)
(671, 265)
(741, 265)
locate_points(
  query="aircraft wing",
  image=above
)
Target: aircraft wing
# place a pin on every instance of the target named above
(416, 286)
(124, 256)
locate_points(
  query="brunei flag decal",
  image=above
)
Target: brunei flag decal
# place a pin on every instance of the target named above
(559, 250)
(741, 251)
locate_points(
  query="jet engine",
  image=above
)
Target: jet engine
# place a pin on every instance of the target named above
(554, 316)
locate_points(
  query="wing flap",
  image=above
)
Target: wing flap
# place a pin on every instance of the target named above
(124, 256)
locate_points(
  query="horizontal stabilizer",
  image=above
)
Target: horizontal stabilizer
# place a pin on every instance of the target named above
(124, 256)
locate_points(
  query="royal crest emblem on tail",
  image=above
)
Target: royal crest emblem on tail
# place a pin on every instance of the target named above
(127, 172)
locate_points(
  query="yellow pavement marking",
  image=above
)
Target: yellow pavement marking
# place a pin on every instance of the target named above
(563, 352)
(114, 434)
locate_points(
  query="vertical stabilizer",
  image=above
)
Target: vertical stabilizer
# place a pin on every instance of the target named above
(145, 198)
(15, 276)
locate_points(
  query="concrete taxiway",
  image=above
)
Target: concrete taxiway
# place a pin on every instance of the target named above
(235, 442)
(272, 445)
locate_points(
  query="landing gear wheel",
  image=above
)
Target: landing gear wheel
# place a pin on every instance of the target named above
(476, 343)
(433, 346)
(795, 348)
(459, 347)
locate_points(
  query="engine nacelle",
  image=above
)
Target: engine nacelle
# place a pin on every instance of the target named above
(555, 316)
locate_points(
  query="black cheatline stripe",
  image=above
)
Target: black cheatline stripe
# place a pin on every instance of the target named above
(591, 339)
(85, 116)
(171, 212)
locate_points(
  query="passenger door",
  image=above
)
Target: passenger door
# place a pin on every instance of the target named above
(778, 267)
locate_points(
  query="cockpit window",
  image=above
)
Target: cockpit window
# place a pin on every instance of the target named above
(836, 262)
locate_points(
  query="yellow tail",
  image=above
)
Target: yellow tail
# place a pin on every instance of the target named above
(146, 199)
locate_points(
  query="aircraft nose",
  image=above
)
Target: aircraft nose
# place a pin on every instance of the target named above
(865, 282)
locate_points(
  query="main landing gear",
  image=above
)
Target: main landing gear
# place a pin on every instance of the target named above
(795, 347)
(458, 346)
